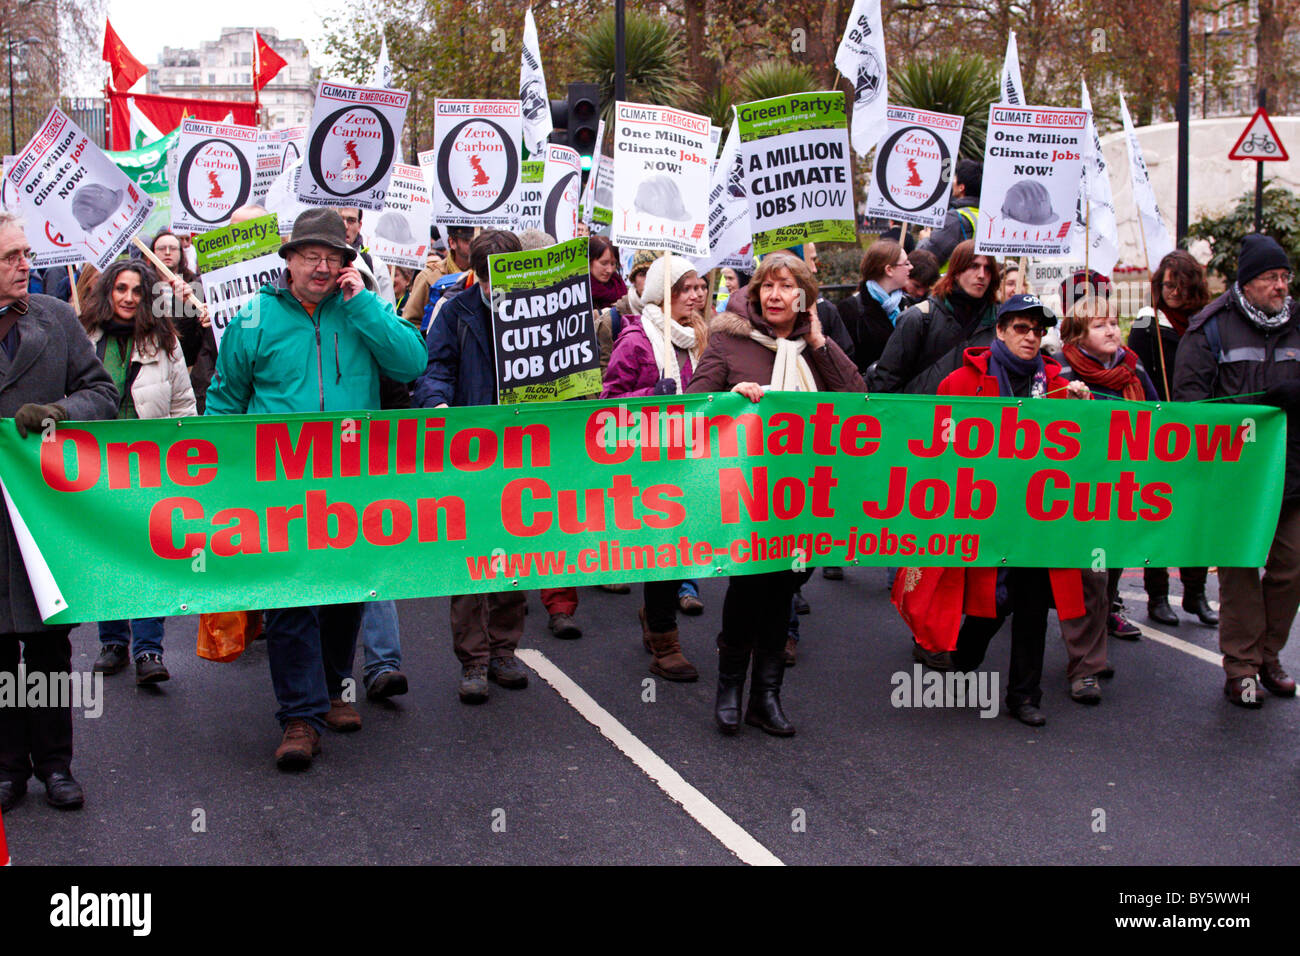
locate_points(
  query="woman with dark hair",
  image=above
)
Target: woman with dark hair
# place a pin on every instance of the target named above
(141, 353)
(779, 346)
(1178, 292)
(607, 286)
(872, 312)
(193, 327)
(930, 337)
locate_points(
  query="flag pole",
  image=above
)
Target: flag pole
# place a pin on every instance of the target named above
(257, 96)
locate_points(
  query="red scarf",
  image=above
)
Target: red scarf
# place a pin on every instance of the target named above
(1178, 318)
(1122, 379)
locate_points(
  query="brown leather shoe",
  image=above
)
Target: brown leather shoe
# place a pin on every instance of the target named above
(670, 663)
(342, 717)
(300, 743)
(1244, 692)
(1276, 681)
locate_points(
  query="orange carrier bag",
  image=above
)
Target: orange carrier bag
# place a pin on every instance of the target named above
(224, 635)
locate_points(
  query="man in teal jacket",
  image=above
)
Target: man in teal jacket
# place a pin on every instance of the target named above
(315, 342)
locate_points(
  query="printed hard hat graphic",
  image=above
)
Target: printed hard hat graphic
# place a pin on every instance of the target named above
(94, 204)
(393, 227)
(658, 196)
(1028, 201)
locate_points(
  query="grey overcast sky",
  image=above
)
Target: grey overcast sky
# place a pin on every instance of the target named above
(145, 32)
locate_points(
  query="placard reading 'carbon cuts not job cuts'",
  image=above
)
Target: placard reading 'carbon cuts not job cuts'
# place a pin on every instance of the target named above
(542, 324)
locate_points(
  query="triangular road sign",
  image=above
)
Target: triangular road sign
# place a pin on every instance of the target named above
(1259, 141)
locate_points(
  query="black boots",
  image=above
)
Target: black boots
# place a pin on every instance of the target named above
(764, 709)
(732, 664)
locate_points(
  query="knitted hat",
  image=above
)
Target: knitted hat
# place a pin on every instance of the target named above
(654, 279)
(642, 261)
(1259, 254)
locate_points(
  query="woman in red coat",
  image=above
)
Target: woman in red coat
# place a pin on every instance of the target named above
(1013, 367)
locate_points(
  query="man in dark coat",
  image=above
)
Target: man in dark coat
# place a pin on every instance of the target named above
(1244, 343)
(485, 628)
(963, 213)
(48, 373)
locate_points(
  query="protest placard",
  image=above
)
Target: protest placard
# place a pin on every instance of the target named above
(277, 150)
(796, 155)
(150, 167)
(531, 196)
(356, 132)
(661, 179)
(911, 177)
(282, 197)
(1033, 159)
(729, 231)
(73, 193)
(237, 260)
(400, 235)
(215, 174)
(543, 329)
(602, 197)
(474, 180)
(561, 181)
(644, 489)
(585, 207)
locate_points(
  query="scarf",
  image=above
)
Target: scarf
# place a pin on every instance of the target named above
(605, 294)
(971, 313)
(1004, 363)
(1121, 378)
(682, 336)
(790, 371)
(1178, 318)
(117, 327)
(1258, 317)
(891, 302)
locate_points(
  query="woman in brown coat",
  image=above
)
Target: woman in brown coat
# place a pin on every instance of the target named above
(781, 346)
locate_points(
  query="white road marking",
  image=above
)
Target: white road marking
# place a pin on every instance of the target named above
(705, 812)
(1177, 643)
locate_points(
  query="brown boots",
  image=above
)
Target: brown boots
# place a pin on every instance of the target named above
(669, 663)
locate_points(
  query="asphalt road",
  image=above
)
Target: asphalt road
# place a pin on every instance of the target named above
(1175, 774)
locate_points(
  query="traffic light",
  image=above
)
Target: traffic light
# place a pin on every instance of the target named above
(576, 119)
(584, 118)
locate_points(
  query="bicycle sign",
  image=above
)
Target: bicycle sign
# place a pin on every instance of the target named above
(1259, 141)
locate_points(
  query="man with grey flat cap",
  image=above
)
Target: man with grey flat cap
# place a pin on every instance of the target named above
(316, 341)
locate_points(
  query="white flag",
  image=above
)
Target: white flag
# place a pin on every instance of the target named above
(1155, 235)
(532, 90)
(861, 58)
(1013, 90)
(383, 67)
(143, 129)
(1096, 234)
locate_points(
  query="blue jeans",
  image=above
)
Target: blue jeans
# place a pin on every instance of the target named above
(689, 586)
(145, 633)
(310, 651)
(380, 643)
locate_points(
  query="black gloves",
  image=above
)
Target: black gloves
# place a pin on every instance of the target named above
(666, 386)
(1283, 394)
(32, 417)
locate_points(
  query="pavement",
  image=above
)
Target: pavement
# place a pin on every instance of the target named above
(599, 762)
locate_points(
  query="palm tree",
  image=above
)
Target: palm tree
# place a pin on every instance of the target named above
(716, 103)
(656, 62)
(774, 78)
(963, 84)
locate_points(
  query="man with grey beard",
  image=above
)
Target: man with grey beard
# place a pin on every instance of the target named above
(1244, 347)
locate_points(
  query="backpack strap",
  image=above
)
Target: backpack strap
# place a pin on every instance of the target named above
(1212, 336)
(615, 323)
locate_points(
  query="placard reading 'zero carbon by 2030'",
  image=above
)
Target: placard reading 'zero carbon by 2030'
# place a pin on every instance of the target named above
(911, 178)
(473, 168)
(356, 132)
(218, 163)
(543, 329)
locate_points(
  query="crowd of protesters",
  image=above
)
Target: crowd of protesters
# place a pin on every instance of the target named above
(936, 318)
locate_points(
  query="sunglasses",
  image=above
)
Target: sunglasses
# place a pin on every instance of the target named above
(1025, 328)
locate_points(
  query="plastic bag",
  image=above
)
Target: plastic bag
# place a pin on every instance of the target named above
(223, 636)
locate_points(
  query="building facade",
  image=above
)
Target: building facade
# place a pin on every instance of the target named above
(223, 70)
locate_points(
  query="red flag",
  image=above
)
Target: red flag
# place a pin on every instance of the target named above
(269, 63)
(166, 113)
(126, 68)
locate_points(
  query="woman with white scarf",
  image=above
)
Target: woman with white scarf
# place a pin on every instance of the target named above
(655, 356)
(781, 347)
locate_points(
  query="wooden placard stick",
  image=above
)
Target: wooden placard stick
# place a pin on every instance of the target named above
(167, 274)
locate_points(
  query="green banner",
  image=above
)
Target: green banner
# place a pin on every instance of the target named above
(148, 168)
(237, 242)
(795, 152)
(145, 518)
(543, 329)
